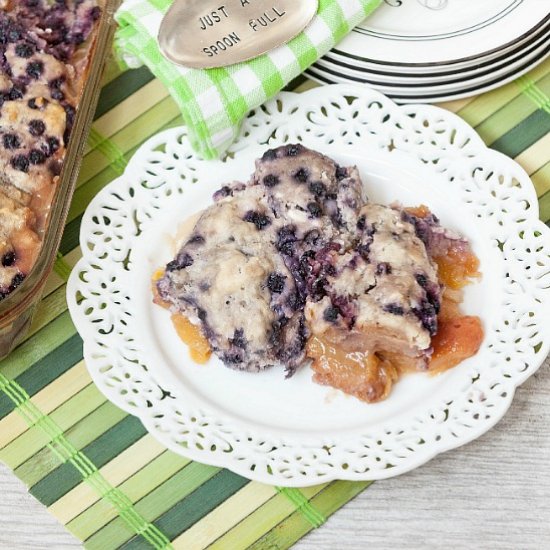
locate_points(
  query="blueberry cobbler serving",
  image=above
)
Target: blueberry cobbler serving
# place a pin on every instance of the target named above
(297, 265)
(45, 47)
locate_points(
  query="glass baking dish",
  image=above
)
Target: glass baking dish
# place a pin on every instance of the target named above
(17, 309)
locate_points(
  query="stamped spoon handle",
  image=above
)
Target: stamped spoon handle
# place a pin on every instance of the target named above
(204, 34)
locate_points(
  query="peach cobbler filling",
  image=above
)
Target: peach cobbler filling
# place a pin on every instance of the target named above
(370, 374)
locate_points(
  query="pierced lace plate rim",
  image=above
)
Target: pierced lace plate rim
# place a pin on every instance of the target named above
(247, 137)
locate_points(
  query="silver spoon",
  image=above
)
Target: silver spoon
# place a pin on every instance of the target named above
(203, 34)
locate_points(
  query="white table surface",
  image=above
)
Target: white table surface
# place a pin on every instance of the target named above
(491, 494)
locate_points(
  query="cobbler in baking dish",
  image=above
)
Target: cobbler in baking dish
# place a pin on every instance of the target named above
(297, 265)
(44, 49)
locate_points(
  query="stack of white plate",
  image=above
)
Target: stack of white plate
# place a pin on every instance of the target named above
(438, 50)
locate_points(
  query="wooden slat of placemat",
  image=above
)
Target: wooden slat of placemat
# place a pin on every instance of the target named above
(192, 504)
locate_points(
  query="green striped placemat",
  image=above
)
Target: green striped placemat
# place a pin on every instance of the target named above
(95, 467)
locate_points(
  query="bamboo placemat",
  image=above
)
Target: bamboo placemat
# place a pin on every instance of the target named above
(95, 467)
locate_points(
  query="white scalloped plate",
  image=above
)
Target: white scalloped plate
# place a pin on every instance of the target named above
(428, 95)
(432, 32)
(294, 432)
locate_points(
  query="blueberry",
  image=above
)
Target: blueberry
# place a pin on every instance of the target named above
(361, 223)
(201, 314)
(286, 237)
(394, 309)
(172, 266)
(77, 38)
(345, 308)
(36, 127)
(314, 209)
(232, 358)
(53, 145)
(56, 83)
(426, 313)
(224, 192)
(261, 221)
(185, 260)
(56, 22)
(364, 251)
(55, 86)
(32, 103)
(20, 162)
(14, 34)
(95, 13)
(293, 150)
(422, 280)
(16, 281)
(70, 111)
(276, 283)
(8, 259)
(341, 173)
(37, 157)
(293, 346)
(24, 50)
(317, 188)
(287, 233)
(239, 339)
(383, 268)
(11, 141)
(271, 180)
(271, 154)
(286, 248)
(301, 175)
(182, 261)
(9, 30)
(421, 226)
(330, 314)
(15, 93)
(35, 69)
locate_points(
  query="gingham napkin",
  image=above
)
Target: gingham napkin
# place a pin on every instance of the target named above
(213, 102)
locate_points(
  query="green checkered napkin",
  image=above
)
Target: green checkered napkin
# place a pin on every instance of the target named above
(213, 102)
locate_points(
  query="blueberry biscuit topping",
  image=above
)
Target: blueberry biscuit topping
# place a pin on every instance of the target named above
(243, 307)
(297, 262)
(375, 291)
(265, 235)
(43, 57)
